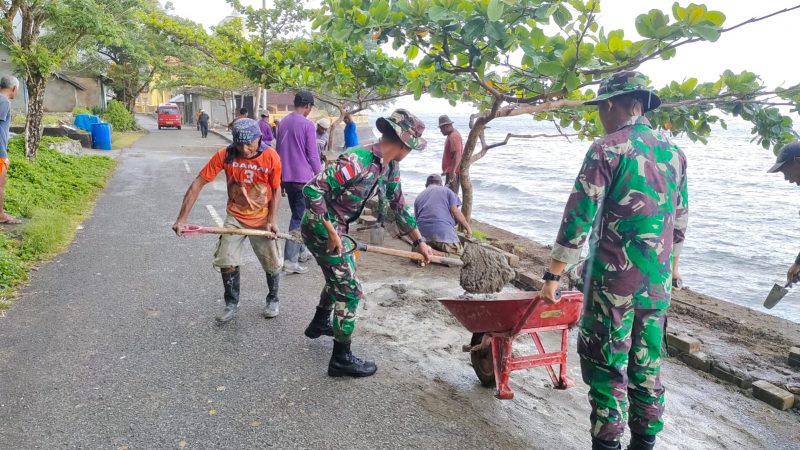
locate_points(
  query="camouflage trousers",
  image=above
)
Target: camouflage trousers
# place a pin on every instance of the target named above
(342, 291)
(620, 348)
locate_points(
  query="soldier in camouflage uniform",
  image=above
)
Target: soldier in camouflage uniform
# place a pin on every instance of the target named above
(632, 193)
(334, 199)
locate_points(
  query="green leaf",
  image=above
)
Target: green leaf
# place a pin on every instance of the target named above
(715, 17)
(550, 68)
(412, 51)
(572, 81)
(495, 10)
(707, 32)
(437, 12)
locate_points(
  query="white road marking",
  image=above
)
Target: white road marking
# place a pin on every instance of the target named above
(186, 166)
(214, 215)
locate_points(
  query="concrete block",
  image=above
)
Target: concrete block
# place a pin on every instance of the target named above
(773, 395)
(731, 375)
(513, 260)
(367, 220)
(697, 360)
(683, 343)
(366, 212)
(794, 356)
(527, 281)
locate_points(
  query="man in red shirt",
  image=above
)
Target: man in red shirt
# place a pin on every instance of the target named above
(253, 173)
(453, 149)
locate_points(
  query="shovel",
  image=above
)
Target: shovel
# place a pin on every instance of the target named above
(775, 295)
(194, 229)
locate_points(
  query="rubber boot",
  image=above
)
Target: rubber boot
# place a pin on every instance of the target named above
(320, 325)
(599, 444)
(344, 364)
(273, 282)
(642, 442)
(230, 280)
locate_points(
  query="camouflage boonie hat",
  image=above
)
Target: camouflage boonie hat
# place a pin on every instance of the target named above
(628, 82)
(407, 127)
(245, 131)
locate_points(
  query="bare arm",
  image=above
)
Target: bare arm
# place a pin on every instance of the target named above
(272, 215)
(189, 199)
(461, 220)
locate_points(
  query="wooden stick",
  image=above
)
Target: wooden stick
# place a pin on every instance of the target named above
(251, 232)
(410, 255)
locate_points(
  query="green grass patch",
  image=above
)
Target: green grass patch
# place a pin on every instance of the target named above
(53, 193)
(479, 235)
(125, 139)
(48, 120)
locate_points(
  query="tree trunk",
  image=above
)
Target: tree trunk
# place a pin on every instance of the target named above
(257, 106)
(466, 161)
(33, 123)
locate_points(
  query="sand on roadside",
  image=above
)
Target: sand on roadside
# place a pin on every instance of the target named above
(420, 342)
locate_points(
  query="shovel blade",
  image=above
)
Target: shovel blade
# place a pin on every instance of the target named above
(775, 295)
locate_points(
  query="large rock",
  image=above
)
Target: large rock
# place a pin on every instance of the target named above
(69, 147)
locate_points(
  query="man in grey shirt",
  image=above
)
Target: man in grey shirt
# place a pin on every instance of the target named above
(437, 212)
(8, 91)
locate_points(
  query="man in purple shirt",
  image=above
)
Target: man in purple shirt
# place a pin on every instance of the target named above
(266, 128)
(297, 147)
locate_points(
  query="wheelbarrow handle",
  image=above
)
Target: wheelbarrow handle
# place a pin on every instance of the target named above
(531, 308)
(195, 229)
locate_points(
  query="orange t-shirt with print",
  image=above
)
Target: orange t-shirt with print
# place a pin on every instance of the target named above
(250, 184)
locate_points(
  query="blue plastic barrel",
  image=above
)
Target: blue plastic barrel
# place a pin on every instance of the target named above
(85, 121)
(101, 136)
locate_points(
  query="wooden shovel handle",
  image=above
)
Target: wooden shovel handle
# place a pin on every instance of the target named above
(410, 255)
(249, 232)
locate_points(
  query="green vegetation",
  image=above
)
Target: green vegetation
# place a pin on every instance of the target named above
(53, 193)
(479, 235)
(81, 110)
(119, 117)
(125, 139)
(48, 120)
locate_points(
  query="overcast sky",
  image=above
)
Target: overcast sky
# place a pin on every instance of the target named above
(768, 48)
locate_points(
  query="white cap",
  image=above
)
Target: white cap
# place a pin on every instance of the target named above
(324, 123)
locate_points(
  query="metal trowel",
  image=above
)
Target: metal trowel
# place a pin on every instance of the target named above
(775, 295)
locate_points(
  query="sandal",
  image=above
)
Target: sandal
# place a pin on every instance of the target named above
(10, 220)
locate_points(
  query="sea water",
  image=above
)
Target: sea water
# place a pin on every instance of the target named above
(743, 222)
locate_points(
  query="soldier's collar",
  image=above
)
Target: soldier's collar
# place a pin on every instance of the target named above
(635, 120)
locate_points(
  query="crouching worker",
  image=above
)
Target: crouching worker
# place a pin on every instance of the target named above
(437, 210)
(253, 173)
(334, 199)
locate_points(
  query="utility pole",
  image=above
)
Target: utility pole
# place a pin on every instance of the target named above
(264, 54)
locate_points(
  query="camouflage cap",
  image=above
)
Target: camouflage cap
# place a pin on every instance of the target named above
(628, 82)
(407, 127)
(245, 131)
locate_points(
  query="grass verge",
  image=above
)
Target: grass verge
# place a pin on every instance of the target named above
(53, 193)
(125, 139)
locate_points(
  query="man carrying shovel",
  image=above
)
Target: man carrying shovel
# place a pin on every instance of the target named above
(334, 199)
(253, 173)
(632, 193)
(788, 163)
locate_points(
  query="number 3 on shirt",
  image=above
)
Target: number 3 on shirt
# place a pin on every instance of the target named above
(249, 174)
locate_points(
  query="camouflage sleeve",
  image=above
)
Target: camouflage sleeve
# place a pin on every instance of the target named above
(583, 204)
(333, 180)
(405, 221)
(682, 210)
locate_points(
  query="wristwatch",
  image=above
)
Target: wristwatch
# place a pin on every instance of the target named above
(417, 242)
(550, 276)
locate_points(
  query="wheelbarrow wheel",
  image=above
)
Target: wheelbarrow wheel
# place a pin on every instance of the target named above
(482, 362)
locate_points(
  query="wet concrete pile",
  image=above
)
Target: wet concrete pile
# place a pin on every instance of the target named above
(485, 270)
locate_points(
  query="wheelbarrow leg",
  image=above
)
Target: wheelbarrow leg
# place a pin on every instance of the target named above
(540, 347)
(501, 349)
(566, 382)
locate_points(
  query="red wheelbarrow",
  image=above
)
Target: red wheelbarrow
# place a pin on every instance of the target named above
(497, 322)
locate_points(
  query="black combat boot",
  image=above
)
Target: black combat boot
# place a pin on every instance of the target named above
(320, 325)
(344, 364)
(642, 442)
(599, 444)
(230, 280)
(273, 282)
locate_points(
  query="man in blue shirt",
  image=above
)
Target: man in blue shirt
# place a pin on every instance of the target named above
(437, 211)
(350, 132)
(8, 91)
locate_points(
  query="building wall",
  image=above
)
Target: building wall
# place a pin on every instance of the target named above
(60, 96)
(92, 96)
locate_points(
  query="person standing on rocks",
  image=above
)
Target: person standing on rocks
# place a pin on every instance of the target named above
(8, 91)
(451, 158)
(788, 163)
(632, 193)
(297, 147)
(335, 198)
(437, 209)
(253, 173)
(202, 123)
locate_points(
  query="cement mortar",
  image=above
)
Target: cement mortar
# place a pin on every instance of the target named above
(485, 270)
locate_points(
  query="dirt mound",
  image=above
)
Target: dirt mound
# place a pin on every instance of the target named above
(485, 270)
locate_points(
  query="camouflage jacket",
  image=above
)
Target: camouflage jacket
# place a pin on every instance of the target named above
(340, 192)
(632, 193)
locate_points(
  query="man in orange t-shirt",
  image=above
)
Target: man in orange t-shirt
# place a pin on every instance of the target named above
(253, 173)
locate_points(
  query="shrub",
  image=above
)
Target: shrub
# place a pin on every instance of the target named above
(119, 117)
(81, 110)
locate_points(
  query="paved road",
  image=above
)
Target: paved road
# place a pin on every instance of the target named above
(113, 344)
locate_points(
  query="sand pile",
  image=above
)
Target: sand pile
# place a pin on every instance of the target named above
(485, 270)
